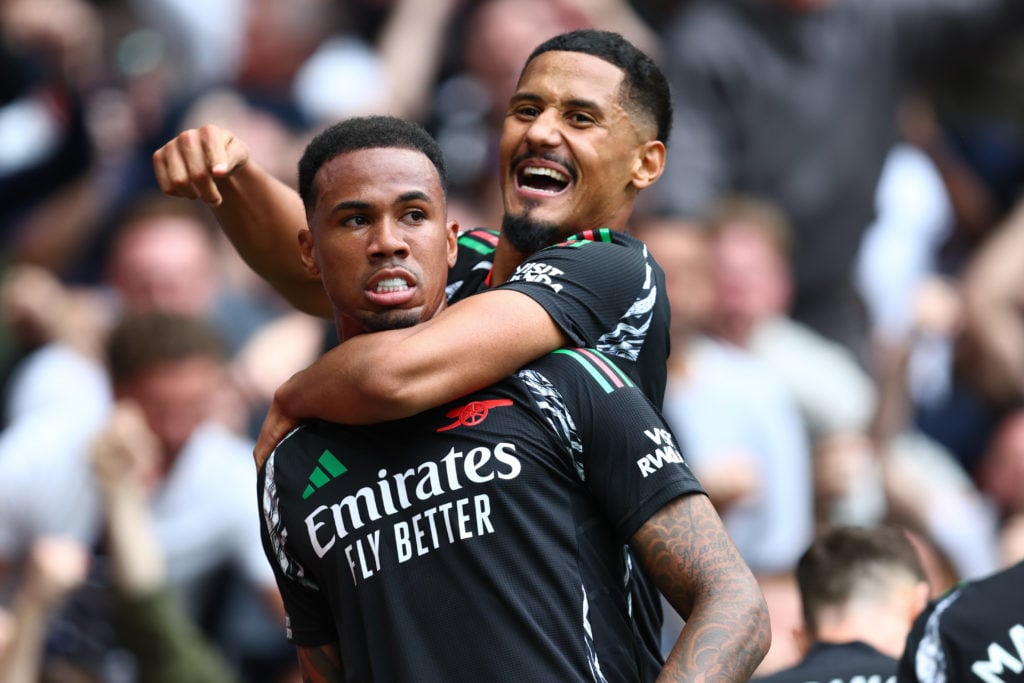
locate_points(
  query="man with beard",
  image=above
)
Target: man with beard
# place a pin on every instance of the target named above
(497, 522)
(585, 132)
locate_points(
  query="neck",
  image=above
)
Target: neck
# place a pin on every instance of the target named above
(886, 634)
(506, 259)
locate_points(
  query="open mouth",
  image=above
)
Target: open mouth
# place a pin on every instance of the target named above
(542, 179)
(391, 284)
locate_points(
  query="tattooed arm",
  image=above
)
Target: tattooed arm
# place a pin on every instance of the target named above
(686, 551)
(321, 664)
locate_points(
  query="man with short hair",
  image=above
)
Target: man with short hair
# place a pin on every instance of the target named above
(171, 367)
(490, 543)
(585, 132)
(861, 588)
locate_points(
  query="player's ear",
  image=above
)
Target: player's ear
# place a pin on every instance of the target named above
(649, 164)
(306, 253)
(452, 235)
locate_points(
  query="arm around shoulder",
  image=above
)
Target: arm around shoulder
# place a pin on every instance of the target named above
(260, 214)
(398, 373)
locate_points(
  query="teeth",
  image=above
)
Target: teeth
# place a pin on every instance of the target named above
(392, 284)
(545, 171)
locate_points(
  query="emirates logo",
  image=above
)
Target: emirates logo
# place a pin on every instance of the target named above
(473, 413)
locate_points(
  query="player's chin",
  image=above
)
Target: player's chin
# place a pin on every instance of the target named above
(393, 319)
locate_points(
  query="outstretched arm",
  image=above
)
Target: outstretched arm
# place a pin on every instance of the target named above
(261, 215)
(397, 373)
(686, 551)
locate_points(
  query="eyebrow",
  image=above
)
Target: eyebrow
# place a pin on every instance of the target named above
(357, 205)
(577, 102)
(349, 205)
(414, 194)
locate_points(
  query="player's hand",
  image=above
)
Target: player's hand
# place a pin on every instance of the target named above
(276, 426)
(190, 164)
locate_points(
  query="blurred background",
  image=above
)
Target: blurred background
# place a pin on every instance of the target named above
(840, 224)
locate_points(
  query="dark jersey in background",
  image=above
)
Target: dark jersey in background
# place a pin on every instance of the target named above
(974, 633)
(854, 662)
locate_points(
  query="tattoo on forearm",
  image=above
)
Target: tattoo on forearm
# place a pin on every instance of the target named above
(688, 554)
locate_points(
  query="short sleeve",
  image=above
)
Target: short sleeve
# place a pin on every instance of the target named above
(309, 619)
(588, 286)
(623, 448)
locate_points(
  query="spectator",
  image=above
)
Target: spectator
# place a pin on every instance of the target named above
(751, 242)
(163, 256)
(860, 589)
(739, 428)
(167, 646)
(206, 524)
(861, 476)
(797, 101)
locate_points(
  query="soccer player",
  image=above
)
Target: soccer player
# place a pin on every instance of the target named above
(585, 132)
(487, 542)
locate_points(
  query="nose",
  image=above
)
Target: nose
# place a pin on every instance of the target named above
(387, 240)
(545, 131)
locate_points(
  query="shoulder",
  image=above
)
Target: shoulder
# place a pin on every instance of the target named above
(475, 252)
(482, 241)
(214, 447)
(42, 379)
(582, 368)
(968, 621)
(736, 367)
(472, 264)
(991, 603)
(601, 253)
(42, 446)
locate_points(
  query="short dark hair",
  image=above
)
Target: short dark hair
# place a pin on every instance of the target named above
(365, 132)
(142, 341)
(845, 559)
(645, 90)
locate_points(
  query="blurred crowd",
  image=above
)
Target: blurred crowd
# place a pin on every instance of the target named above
(840, 223)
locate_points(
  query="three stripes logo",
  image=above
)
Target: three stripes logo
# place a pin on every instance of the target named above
(329, 468)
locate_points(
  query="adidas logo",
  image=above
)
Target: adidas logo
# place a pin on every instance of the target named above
(329, 468)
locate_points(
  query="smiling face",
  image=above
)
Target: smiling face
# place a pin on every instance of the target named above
(571, 156)
(378, 239)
